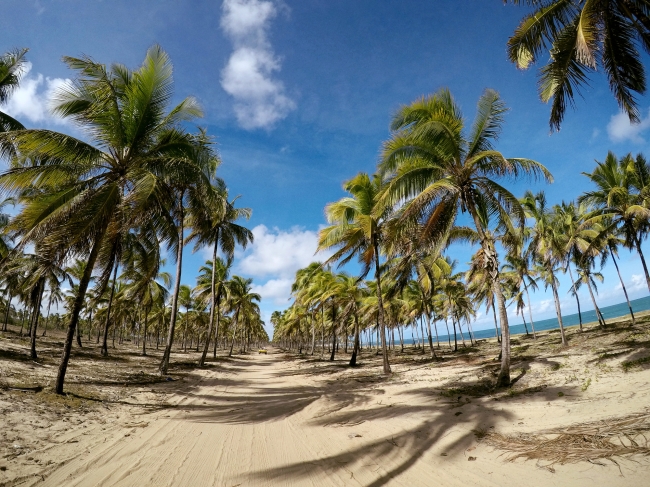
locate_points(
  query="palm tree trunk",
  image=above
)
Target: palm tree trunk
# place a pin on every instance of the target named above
(108, 312)
(433, 352)
(333, 332)
(601, 320)
(611, 251)
(380, 310)
(47, 318)
(216, 328)
(353, 359)
(530, 311)
(144, 331)
(76, 309)
(496, 324)
(453, 323)
(313, 335)
(575, 293)
(449, 334)
(164, 364)
(492, 269)
(637, 242)
(4, 327)
(558, 311)
(212, 304)
(37, 314)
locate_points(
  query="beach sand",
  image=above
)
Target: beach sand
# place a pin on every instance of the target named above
(279, 419)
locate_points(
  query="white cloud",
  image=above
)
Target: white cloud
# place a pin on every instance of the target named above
(260, 100)
(276, 290)
(279, 253)
(638, 283)
(620, 129)
(30, 102)
(275, 255)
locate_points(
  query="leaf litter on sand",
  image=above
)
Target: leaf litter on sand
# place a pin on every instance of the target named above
(599, 440)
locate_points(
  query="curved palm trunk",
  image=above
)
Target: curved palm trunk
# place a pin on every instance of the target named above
(212, 304)
(622, 285)
(530, 311)
(108, 313)
(575, 293)
(380, 311)
(216, 328)
(637, 243)
(601, 319)
(453, 323)
(76, 310)
(355, 351)
(164, 364)
(558, 311)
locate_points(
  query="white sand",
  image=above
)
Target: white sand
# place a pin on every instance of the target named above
(265, 421)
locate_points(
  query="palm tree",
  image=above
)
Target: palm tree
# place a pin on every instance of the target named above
(212, 284)
(215, 225)
(12, 67)
(90, 193)
(243, 302)
(435, 170)
(582, 36)
(355, 230)
(518, 264)
(544, 248)
(617, 197)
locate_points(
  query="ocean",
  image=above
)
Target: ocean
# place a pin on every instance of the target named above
(613, 311)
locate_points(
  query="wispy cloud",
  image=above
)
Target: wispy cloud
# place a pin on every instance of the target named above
(31, 101)
(260, 100)
(620, 129)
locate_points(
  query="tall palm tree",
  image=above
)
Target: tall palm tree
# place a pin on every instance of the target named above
(545, 248)
(437, 171)
(617, 197)
(212, 285)
(215, 224)
(89, 193)
(356, 230)
(243, 303)
(583, 36)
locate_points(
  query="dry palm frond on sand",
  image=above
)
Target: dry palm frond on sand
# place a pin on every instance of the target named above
(590, 442)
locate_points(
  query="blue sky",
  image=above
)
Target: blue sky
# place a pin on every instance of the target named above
(299, 96)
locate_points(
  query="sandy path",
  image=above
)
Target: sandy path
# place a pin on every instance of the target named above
(264, 421)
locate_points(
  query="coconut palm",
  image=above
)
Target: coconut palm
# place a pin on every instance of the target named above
(583, 36)
(437, 171)
(215, 224)
(12, 67)
(356, 231)
(545, 247)
(621, 195)
(90, 193)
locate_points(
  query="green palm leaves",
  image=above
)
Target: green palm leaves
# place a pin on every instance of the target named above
(81, 197)
(582, 36)
(434, 170)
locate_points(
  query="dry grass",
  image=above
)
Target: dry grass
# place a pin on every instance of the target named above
(588, 442)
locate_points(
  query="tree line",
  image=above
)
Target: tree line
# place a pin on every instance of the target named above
(96, 214)
(439, 183)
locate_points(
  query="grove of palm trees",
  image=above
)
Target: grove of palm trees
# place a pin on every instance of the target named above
(453, 306)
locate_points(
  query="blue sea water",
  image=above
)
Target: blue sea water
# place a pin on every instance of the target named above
(613, 311)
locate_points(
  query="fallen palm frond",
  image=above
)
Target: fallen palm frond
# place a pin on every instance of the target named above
(590, 442)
